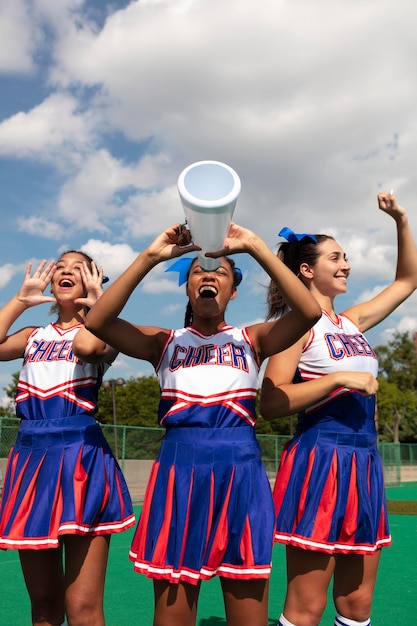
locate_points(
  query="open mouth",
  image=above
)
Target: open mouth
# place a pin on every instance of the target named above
(207, 291)
(66, 282)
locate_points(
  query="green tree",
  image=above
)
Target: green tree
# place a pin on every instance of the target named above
(8, 411)
(397, 395)
(396, 412)
(137, 402)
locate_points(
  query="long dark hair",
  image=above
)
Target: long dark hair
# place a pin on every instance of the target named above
(293, 255)
(189, 313)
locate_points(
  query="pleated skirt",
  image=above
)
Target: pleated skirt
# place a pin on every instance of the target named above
(208, 508)
(61, 478)
(329, 494)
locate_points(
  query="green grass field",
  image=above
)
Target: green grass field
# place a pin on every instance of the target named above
(129, 598)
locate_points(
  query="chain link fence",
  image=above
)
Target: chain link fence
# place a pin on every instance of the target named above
(135, 447)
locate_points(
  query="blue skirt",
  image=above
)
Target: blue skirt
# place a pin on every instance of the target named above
(208, 508)
(61, 478)
(329, 494)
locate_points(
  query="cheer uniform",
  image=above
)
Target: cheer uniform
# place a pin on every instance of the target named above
(61, 475)
(329, 492)
(208, 506)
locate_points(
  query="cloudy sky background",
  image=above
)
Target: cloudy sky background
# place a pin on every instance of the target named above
(103, 104)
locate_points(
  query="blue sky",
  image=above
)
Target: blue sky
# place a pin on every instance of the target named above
(103, 104)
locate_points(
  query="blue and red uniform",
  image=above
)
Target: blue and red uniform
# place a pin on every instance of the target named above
(61, 475)
(329, 492)
(208, 507)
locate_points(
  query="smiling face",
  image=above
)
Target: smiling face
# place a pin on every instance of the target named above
(67, 283)
(328, 276)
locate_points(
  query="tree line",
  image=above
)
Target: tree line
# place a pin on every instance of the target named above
(137, 401)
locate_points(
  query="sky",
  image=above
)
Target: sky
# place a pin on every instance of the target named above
(103, 104)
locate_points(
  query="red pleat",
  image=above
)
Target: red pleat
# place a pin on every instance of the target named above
(350, 522)
(26, 503)
(159, 555)
(57, 506)
(246, 547)
(285, 469)
(80, 487)
(142, 528)
(325, 509)
(222, 532)
(185, 535)
(304, 489)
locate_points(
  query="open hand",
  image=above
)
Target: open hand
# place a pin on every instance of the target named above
(31, 291)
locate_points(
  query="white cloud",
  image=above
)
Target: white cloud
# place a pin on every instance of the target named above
(54, 131)
(114, 258)
(18, 36)
(8, 271)
(40, 226)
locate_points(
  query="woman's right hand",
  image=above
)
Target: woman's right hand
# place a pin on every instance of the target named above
(31, 291)
(171, 243)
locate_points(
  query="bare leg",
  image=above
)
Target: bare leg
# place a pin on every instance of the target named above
(246, 601)
(308, 578)
(44, 578)
(85, 573)
(175, 605)
(354, 583)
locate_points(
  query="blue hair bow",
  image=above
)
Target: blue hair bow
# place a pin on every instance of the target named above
(182, 266)
(293, 237)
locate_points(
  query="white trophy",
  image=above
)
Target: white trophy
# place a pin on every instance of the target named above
(208, 192)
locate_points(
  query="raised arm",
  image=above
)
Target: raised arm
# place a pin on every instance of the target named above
(370, 313)
(142, 342)
(272, 337)
(85, 345)
(30, 294)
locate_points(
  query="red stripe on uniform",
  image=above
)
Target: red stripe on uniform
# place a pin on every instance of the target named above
(350, 522)
(142, 528)
(79, 486)
(280, 486)
(220, 541)
(26, 504)
(159, 555)
(246, 546)
(323, 520)
(57, 506)
(304, 489)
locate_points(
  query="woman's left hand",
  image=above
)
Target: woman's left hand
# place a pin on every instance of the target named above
(92, 281)
(238, 239)
(387, 202)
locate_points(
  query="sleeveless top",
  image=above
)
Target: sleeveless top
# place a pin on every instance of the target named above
(208, 381)
(53, 382)
(336, 346)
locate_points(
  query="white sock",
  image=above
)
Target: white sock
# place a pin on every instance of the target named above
(339, 620)
(284, 622)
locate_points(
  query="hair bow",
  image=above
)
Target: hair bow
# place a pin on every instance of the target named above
(105, 279)
(182, 266)
(293, 237)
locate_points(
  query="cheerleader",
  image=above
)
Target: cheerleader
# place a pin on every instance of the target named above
(329, 491)
(64, 493)
(208, 506)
